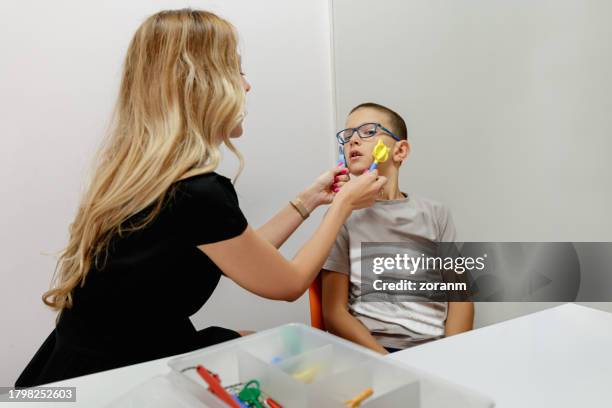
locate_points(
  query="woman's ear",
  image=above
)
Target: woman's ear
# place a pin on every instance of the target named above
(401, 150)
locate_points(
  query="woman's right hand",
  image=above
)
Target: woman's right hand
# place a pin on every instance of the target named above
(362, 191)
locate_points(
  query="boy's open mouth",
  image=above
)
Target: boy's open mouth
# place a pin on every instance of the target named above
(355, 154)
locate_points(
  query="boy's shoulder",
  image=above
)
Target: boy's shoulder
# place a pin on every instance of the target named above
(441, 216)
(427, 203)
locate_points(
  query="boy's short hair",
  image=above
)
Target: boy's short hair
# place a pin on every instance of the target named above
(397, 124)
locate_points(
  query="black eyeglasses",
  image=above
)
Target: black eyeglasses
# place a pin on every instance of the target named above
(364, 131)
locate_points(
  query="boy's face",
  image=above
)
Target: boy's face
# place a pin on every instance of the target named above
(357, 151)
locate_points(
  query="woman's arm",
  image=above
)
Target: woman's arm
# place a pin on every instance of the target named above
(281, 226)
(256, 265)
(460, 318)
(336, 316)
(286, 221)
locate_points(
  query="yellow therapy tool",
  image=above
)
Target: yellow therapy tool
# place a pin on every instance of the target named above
(307, 375)
(380, 154)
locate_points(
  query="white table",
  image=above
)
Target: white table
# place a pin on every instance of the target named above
(560, 357)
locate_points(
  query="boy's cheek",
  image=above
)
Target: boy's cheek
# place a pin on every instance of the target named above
(358, 167)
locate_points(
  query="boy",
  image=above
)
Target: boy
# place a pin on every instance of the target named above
(395, 217)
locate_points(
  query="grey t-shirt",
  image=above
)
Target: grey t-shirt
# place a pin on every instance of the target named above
(413, 218)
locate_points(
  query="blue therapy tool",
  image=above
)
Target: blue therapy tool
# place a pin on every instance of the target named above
(341, 158)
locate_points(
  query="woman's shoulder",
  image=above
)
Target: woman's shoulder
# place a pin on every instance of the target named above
(208, 185)
(206, 209)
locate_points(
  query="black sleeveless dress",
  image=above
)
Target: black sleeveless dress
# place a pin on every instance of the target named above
(135, 307)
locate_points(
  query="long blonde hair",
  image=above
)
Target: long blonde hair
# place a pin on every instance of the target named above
(181, 96)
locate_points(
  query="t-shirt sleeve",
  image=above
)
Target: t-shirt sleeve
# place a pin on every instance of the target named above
(446, 225)
(209, 210)
(339, 257)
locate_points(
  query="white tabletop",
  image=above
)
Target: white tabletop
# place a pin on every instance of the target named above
(560, 357)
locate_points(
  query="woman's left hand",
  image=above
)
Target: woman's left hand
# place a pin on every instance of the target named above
(325, 187)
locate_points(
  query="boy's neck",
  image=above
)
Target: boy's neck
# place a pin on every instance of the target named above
(391, 189)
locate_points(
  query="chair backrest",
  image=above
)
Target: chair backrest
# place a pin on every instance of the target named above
(315, 295)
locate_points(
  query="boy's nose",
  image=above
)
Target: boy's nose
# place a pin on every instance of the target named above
(355, 139)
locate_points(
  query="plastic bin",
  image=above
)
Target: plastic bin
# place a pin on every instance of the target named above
(300, 367)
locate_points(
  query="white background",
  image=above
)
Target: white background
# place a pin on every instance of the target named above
(59, 75)
(508, 106)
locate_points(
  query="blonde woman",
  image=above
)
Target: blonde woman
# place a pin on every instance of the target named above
(157, 226)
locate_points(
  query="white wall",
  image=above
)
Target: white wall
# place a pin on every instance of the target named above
(59, 75)
(508, 109)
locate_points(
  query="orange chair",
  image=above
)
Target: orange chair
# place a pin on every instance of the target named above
(315, 295)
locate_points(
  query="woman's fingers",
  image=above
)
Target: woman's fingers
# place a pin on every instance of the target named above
(341, 178)
(364, 190)
(339, 171)
(338, 186)
(380, 183)
(375, 185)
(339, 181)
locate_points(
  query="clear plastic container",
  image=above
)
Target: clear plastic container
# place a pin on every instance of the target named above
(299, 366)
(391, 386)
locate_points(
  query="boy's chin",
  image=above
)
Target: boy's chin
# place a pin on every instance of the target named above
(358, 168)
